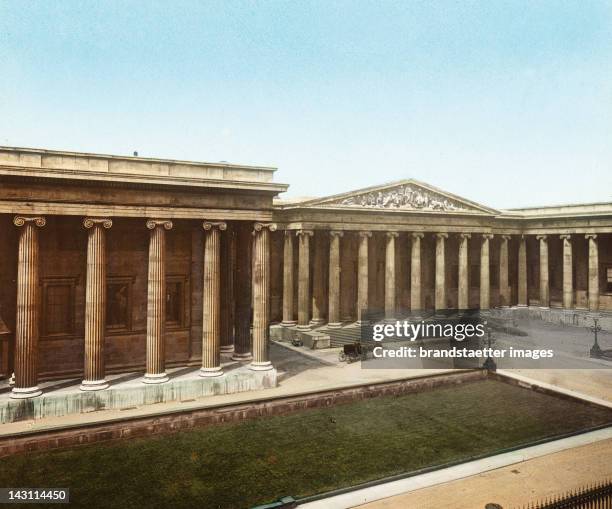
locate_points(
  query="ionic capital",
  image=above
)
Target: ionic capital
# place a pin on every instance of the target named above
(305, 233)
(589, 236)
(209, 225)
(39, 221)
(392, 235)
(417, 235)
(365, 234)
(90, 222)
(506, 238)
(441, 235)
(566, 236)
(487, 236)
(154, 223)
(257, 227)
(542, 237)
(465, 236)
(336, 233)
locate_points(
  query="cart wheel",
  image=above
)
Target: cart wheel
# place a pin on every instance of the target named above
(342, 357)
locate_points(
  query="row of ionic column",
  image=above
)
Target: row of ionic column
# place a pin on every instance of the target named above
(305, 320)
(227, 331)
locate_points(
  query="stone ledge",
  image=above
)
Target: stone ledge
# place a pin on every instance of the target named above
(134, 394)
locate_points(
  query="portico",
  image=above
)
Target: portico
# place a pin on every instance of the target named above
(412, 247)
(112, 264)
(126, 264)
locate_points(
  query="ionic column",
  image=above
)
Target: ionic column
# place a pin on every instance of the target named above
(568, 283)
(156, 302)
(485, 280)
(318, 281)
(362, 276)
(228, 256)
(522, 272)
(544, 288)
(288, 287)
(304, 278)
(504, 287)
(95, 304)
(463, 288)
(390, 276)
(593, 272)
(261, 296)
(26, 330)
(334, 279)
(440, 291)
(242, 292)
(211, 317)
(415, 272)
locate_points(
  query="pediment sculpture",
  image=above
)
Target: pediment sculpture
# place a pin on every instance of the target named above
(408, 197)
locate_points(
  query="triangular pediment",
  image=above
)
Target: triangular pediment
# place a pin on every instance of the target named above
(406, 195)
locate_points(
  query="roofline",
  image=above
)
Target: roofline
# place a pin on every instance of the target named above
(95, 155)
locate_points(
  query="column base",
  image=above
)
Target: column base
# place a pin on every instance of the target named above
(241, 356)
(544, 307)
(12, 380)
(227, 349)
(25, 392)
(362, 323)
(304, 328)
(288, 323)
(210, 372)
(93, 385)
(157, 378)
(315, 322)
(261, 366)
(334, 325)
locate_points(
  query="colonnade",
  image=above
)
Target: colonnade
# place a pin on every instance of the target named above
(222, 330)
(305, 321)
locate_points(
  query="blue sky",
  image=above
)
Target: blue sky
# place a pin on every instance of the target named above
(506, 103)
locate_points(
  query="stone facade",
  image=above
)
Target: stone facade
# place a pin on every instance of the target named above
(111, 264)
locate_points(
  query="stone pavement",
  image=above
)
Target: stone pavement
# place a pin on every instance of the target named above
(514, 485)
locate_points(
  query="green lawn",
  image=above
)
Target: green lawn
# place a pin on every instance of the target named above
(240, 465)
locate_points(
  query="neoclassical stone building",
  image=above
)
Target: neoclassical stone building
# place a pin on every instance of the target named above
(113, 264)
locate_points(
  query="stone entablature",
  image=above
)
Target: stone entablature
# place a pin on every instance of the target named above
(77, 165)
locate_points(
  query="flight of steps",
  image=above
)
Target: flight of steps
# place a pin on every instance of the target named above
(345, 335)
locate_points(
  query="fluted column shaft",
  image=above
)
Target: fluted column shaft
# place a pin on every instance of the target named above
(362, 276)
(522, 271)
(415, 272)
(211, 317)
(95, 304)
(318, 281)
(304, 278)
(440, 290)
(334, 279)
(544, 281)
(390, 276)
(568, 280)
(288, 286)
(504, 287)
(27, 324)
(242, 291)
(228, 257)
(156, 303)
(485, 279)
(593, 272)
(261, 296)
(463, 288)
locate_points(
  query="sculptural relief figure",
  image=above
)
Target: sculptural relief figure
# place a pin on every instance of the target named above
(406, 197)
